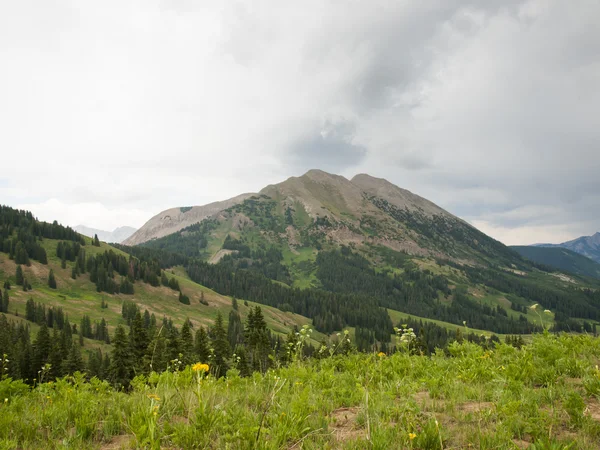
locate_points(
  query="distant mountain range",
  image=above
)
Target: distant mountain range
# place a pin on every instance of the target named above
(117, 236)
(560, 258)
(585, 245)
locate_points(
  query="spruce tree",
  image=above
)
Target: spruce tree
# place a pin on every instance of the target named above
(74, 361)
(187, 344)
(121, 361)
(56, 355)
(235, 329)
(257, 338)
(19, 275)
(96, 241)
(5, 301)
(51, 280)
(41, 349)
(201, 346)
(138, 339)
(221, 347)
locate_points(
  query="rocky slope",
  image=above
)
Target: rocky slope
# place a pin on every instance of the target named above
(175, 219)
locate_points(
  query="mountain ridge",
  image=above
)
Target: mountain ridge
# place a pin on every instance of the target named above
(588, 246)
(118, 235)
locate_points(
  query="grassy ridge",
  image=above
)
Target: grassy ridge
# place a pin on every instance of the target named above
(544, 396)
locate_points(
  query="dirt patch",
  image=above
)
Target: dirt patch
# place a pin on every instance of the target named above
(474, 407)
(593, 409)
(117, 443)
(343, 424)
(425, 401)
(214, 259)
(521, 443)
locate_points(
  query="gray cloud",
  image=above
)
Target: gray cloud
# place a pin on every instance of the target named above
(487, 108)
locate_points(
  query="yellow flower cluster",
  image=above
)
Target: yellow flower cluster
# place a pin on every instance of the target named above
(199, 367)
(381, 354)
(411, 436)
(154, 397)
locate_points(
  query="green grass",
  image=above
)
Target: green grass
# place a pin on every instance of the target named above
(544, 396)
(397, 318)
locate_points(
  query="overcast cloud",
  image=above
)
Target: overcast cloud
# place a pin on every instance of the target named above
(113, 111)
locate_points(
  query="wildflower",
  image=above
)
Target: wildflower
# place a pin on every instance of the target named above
(199, 367)
(547, 311)
(381, 354)
(465, 323)
(411, 436)
(154, 397)
(534, 306)
(5, 400)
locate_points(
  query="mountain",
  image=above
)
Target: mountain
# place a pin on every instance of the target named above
(175, 219)
(585, 245)
(560, 258)
(339, 250)
(118, 235)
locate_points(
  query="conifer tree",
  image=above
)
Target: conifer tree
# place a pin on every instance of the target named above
(187, 344)
(56, 355)
(41, 348)
(5, 301)
(221, 347)
(19, 275)
(74, 361)
(201, 346)
(121, 361)
(257, 340)
(235, 329)
(234, 303)
(51, 280)
(138, 339)
(96, 241)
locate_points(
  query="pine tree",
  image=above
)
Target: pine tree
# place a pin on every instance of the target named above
(234, 303)
(74, 272)
(5, 301)
(96, 241)
(74, 361)
(201, 346)
(257, 340)
(187, 344)
(51, 280)
(41, 348)
(56, 355)
(221, 347)
(235, 329)
(138, 339)
(19, 275)
(121, 364)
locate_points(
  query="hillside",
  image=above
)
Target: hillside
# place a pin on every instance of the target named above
(588, 246)
(118, 235)
(561, 258)
(365, 244)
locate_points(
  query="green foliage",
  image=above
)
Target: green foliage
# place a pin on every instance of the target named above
(476, 398)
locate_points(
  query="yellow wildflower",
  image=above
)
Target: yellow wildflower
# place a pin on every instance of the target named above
(199, 367)
(411, 436)
(381, 354)
(154, 397)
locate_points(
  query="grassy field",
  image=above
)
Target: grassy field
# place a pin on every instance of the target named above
(543, 396)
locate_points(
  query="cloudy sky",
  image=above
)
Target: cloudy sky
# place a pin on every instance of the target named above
(113, 111)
